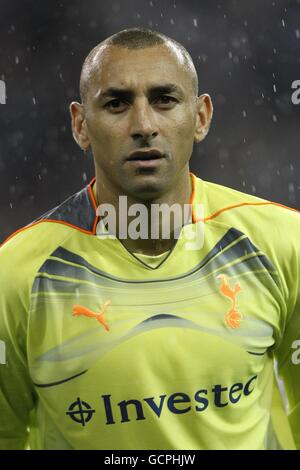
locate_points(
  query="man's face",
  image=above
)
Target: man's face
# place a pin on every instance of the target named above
(140, 100)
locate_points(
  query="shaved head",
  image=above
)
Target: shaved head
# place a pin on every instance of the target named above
(139, 92)
(135, 38)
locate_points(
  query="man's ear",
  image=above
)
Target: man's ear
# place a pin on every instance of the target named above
(79, 128)
(204, 116)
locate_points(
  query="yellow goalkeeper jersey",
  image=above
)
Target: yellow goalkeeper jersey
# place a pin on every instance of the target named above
(101, 350)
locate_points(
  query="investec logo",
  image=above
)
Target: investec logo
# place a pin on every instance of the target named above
(177, 403)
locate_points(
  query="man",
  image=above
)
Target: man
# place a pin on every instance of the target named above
(113, 341)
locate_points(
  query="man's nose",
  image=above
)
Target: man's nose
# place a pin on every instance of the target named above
(143, 124)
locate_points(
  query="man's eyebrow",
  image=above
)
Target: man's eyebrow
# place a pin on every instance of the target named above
(167, 88)
(113, 92)
(153, 90)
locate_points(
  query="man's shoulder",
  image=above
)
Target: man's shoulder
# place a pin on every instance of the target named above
(225, 204)
(77, 211)
(26, 248)
(272, 228)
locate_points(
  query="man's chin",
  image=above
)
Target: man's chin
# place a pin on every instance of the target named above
(146, 187)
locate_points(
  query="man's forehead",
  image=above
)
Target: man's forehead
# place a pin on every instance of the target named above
(108, 53)
(121, 67)
(155, 60)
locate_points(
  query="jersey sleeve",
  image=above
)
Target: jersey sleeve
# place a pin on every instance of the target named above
(16, 391)
(288, 353)
(21, 257)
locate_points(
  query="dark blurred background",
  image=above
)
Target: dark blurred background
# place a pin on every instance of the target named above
(247, 54)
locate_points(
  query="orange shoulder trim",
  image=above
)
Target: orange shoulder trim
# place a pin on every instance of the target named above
(192, 197)
(91, 232)
(247, 204)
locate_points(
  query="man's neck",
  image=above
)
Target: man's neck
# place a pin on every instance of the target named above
(153, 244)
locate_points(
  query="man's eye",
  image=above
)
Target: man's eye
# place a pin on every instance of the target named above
(166, 100)
(115, 105)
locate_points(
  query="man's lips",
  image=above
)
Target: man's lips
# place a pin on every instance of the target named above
(145, 155)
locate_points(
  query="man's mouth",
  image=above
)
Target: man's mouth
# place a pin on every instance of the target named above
(145, 155)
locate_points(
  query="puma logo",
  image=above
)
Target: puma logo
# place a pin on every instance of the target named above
(81, 310)
(233, 316)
